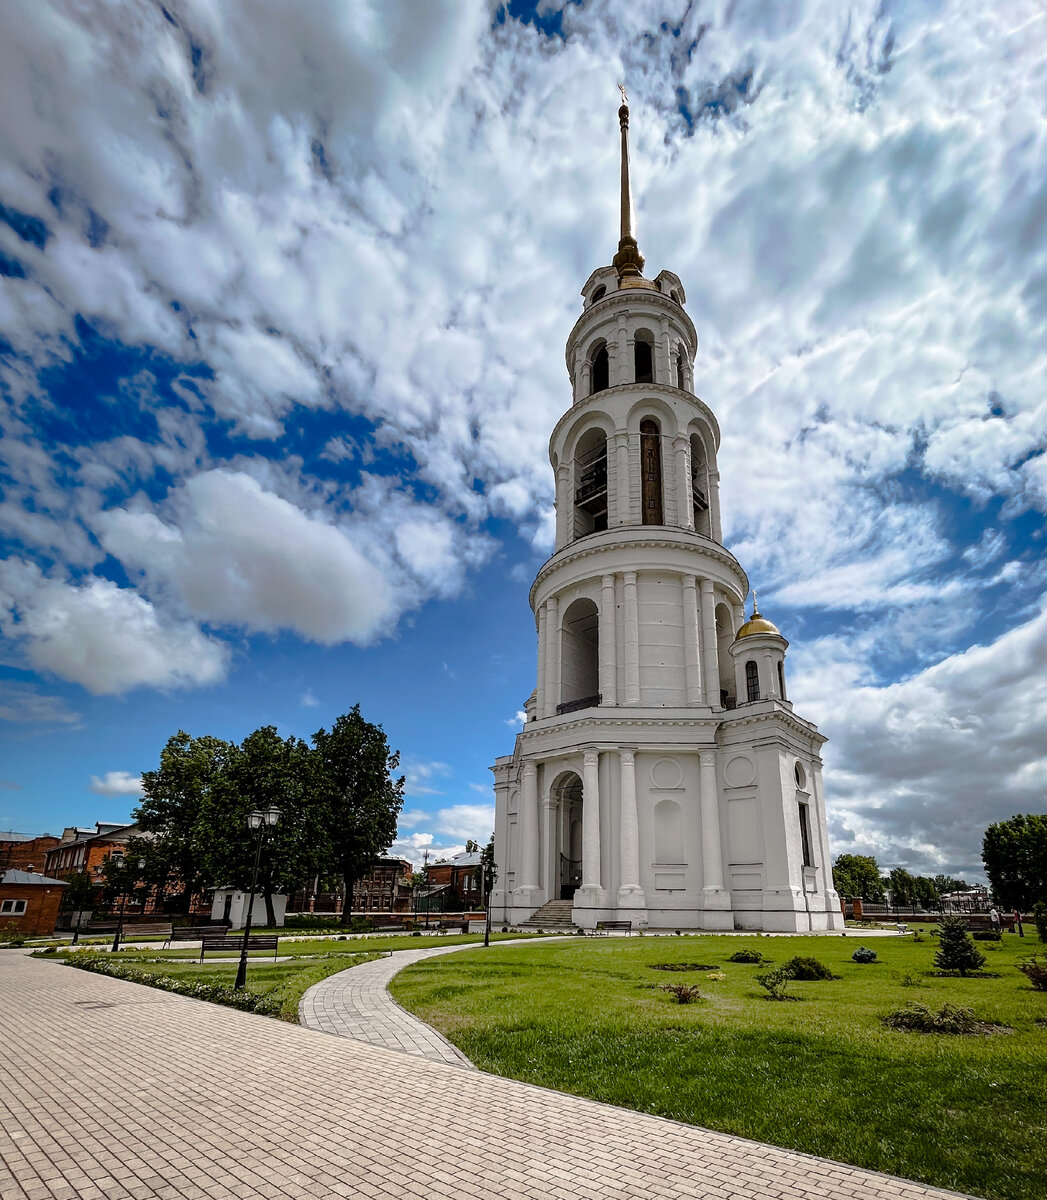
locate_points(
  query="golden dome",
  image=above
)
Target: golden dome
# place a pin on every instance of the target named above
(757, 624)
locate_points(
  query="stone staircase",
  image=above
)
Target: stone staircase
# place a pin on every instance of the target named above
(554, 915)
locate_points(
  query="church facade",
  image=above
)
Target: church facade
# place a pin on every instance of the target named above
(661, 776)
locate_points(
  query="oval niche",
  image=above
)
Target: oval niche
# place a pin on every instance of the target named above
(667, 773)
(740, 771)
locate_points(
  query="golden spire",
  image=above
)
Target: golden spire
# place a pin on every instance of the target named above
(628, 262)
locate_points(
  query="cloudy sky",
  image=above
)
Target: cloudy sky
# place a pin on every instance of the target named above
(284, 290)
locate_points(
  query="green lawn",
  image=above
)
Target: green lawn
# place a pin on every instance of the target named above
(820, 1075)
(353, 944)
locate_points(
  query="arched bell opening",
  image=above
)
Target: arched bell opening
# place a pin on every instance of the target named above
(781, 680)
(752, 682)
(566, 795)
(651, 472)
(700, 487)
(643, 356)
(590, 492)
(600, 370)
(724, 639)
(579, 657)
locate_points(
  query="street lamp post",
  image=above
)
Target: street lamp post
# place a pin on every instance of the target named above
(257, 821)
(123, 900)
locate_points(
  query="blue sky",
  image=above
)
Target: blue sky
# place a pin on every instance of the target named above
(283, 298)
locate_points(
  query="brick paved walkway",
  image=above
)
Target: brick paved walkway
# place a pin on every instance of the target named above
(355, 1004)
(112, 1091)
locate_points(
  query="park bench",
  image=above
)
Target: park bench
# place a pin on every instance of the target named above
(193, 933)
(234, 943)
(607, 926)
(147, 929)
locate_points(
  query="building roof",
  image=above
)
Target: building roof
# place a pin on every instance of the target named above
(9, 835)
(470, 859)
(29, 877)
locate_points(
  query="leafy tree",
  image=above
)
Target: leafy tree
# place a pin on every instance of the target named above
(858, 875)
(352, 774)
(170, 810)
(946, 883)
(79, 893)
(471, 847)
(1015, 857)
(1039, 915)
(264, 771)
(956, 949)
(490, 869)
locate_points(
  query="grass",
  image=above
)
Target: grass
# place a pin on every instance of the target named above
(823, 1075)
(357, 942)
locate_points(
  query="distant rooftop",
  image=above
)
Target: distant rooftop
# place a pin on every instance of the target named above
(30, 877)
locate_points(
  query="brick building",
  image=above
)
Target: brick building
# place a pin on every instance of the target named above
(29, 903)
(20, 851)
(460, 876)
(86, 849)
(385, 888)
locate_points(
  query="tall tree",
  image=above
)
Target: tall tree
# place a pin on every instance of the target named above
(353, 774)
(170, 809)
(264, 771)
(1015, 857)
(858, 875)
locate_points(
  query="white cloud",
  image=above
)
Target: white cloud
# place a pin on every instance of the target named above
(420, 777)
(465, 821)
(106, 638)
(24, 703)
(117, 783)
(308, 700)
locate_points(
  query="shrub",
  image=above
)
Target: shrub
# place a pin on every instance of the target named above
(918, 1018)
(1039, 915)
(12, 936)
(956, 951)
(775, 982)
(718, 976)
(682, 993)
(864, 955)
(808, 969)
(747, 956)
(911, 980)
(1035, 970)
(917, 936)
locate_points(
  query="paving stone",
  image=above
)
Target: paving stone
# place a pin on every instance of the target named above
(156, 1095)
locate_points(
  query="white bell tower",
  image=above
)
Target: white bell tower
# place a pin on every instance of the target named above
(661, 776)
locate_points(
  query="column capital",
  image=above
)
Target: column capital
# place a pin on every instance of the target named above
(530, 768)
(690, 581)
(627, 755)
(680, 441)
(629, 576)
(707, 758)
(607, 580)
(591, 758)
(707, 587)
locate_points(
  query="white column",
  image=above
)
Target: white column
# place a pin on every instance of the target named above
(552, 656)
(769, 682)
(549, 879)
(713, 892)
(629, 890)
(539, 698)
(709, 660)
(584, 381)
(621, 483)
(631, 640)
(663, 369)
(564, 506)
(591, 822)
(691, 658)
(528, 821)
(627, 360)
(714, 506)
(608, 657)
(684, 504)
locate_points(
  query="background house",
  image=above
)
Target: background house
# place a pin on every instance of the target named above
(29, 903)
(20, 851)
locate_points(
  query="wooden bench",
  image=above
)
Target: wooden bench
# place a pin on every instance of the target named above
(193, 933)
(607, 926)
(234, 943)
(144, 929)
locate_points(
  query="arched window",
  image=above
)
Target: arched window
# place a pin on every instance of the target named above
(675, 295)
(601, 370)
(643, 357)
(598, 294)
(651, 472)
(590, 483)
(699, 486)
(752, 682)
(579, 657)
(781, 680)
(669, 838)
(725, 665)
(681, 379)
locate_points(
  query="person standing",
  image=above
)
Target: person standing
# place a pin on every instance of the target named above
(1018, 924)
(994, 917)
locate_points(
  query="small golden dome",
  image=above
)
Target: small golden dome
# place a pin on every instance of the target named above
(757, 624)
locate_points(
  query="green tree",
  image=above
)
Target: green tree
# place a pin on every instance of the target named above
(944, 884)
(1015, 857)
(490, 868)
(172, 798)
(956, 949)
(858, 875)
(352, 774)
(264, 771)
(79, 894)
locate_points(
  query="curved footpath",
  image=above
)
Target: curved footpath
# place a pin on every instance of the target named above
(113, 1091)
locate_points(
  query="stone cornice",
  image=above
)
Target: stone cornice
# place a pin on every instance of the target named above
(735, 719)
(627, 299)
(635, 536)
(647, 389)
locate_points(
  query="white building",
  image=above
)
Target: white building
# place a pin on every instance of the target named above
(661, 775)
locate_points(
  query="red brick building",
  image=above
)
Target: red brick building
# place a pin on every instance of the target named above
(86, 849)
(461, 876)
(20, 851)
(29, 903)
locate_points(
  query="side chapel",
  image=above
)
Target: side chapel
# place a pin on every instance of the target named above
(661, 776)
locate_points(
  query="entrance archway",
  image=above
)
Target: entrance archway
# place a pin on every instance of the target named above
(566, 794)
